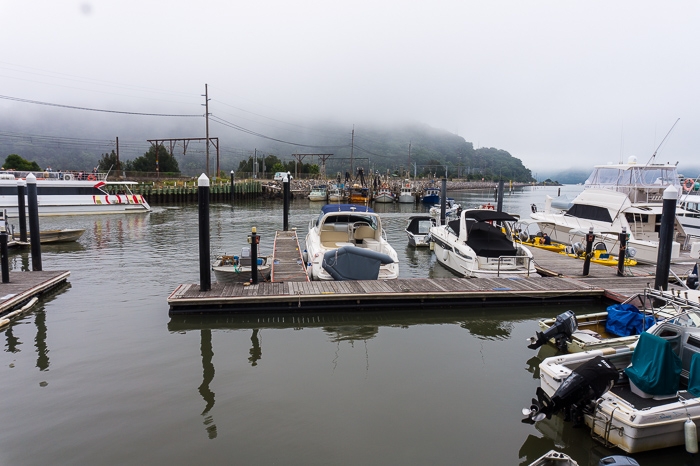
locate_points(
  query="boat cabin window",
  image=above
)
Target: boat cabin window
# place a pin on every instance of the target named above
(590, 212)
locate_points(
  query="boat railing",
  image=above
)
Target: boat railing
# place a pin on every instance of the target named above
(67, 175)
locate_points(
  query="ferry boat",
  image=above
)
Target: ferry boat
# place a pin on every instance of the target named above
(71, 193)
(615, 197)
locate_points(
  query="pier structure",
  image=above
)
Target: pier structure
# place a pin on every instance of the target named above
(17, 295)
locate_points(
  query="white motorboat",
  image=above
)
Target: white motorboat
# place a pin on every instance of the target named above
(637, 397)
(616, 196)
(336, 194)
(554, 458)
(318, 193)
(384, 195)
(237, 268)
(70, 193)
(480, 244)
(407, 195)
(452, 209)
(418, 229)
(357, 230)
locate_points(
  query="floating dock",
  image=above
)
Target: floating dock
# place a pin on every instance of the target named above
(562, 282)
(24, 286)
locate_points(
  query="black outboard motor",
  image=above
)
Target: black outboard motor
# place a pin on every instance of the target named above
(564, 326)
(586, 383)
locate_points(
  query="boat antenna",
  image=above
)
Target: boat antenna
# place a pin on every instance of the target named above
(653, 156)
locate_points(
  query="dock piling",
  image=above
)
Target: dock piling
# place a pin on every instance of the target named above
(254, 240)
(590, 237)
(443, 201)
(622, 253)
(22, 209)
(35, 237)
(4, 257)
(499, 201)
(286, 182)
(204, 240)
(668, 218)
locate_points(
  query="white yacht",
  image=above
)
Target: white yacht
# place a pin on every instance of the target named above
(407, 195)
(318, 193)
(689, 218)
(480, 244)
(616, 196)
(347, 242)
(72, 193)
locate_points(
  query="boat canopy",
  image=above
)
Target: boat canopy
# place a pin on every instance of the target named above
(643, 176)
(344, 208)
(485, 215)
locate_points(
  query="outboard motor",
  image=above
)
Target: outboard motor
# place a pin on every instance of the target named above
(564, 326)
(692, 280)
(586, 383)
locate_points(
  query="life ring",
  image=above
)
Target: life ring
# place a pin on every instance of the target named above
(688, 184)
(68, 177)
(91, 178)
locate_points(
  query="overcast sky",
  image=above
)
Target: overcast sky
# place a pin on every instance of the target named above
(561, 82)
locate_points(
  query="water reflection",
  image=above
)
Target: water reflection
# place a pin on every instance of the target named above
(42, 351)
(255, 350)
(11, 341)
(207, 377)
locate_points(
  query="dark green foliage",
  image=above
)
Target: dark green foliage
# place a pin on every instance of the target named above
(147, 162)
(15, 162)
(109, 162)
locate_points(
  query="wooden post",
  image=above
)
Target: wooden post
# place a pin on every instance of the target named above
(254, 240)
(22, 209)
(4, 258)
(590, 237)
(668, 218)
(285, 194)
(443, 201)
(623, 253)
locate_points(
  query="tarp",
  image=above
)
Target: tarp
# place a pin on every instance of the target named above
(625, 320)
(694, 375)
(655, 368)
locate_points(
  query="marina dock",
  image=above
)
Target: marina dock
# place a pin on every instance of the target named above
(287, 263)
(289, 290)
(24, 286)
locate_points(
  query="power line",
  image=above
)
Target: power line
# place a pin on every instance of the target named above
(17, 99)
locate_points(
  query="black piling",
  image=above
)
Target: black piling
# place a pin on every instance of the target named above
(443, 201)
(22, 209)
(668, 218)
(35, 236)
(254, 240)
(590, 237)
(4, 257)
(286, 182)
(204, 240)
(622, 253)
(499, 204)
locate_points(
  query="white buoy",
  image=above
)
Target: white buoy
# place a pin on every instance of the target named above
(691, 437)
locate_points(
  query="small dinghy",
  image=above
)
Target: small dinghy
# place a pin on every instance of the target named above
(233, 269)
(418, 229)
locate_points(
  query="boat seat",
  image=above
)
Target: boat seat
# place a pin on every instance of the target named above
(330, 238)
(364, 231)
(655, 370)
(694, 375)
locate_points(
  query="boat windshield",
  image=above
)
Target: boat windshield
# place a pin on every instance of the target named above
(651, 176)
(349, 218)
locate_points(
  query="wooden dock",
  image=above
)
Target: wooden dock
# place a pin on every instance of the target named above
(287, 263)
(24, 286)
(561, 281)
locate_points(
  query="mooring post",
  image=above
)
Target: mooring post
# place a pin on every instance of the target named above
(668, 218)
(4, 258)
(233, 184)
(254, 240)
(590, 237)
(22, 209)
(623, 253)
(285, 195)
(499, 204)
(204, 240)
(443, 201)
(35, 236)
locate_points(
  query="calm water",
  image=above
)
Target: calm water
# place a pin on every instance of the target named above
(99, 374)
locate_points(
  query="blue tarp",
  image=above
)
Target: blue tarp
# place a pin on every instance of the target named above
(655, 368)
(694, 375)
(625, 320)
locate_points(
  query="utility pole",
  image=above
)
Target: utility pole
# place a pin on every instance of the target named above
(206, 107)
(352, 147)
(118, 164)
(255, 164)
(409, 157)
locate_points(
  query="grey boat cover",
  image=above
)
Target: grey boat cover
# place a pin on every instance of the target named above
(353, 263)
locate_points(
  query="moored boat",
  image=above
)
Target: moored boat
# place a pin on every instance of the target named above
(418, 229)
(431, 196)
(70, 193)
(349, 226)
(480, 244)
(384, 195)
(358, 194)
(237, 268)
(407, 195)
(318, 193)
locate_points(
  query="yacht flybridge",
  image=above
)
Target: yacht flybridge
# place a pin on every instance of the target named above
(616, 196)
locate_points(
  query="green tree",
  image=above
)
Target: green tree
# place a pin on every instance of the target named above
(147, 162)
(109, 162)
(15, 162)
